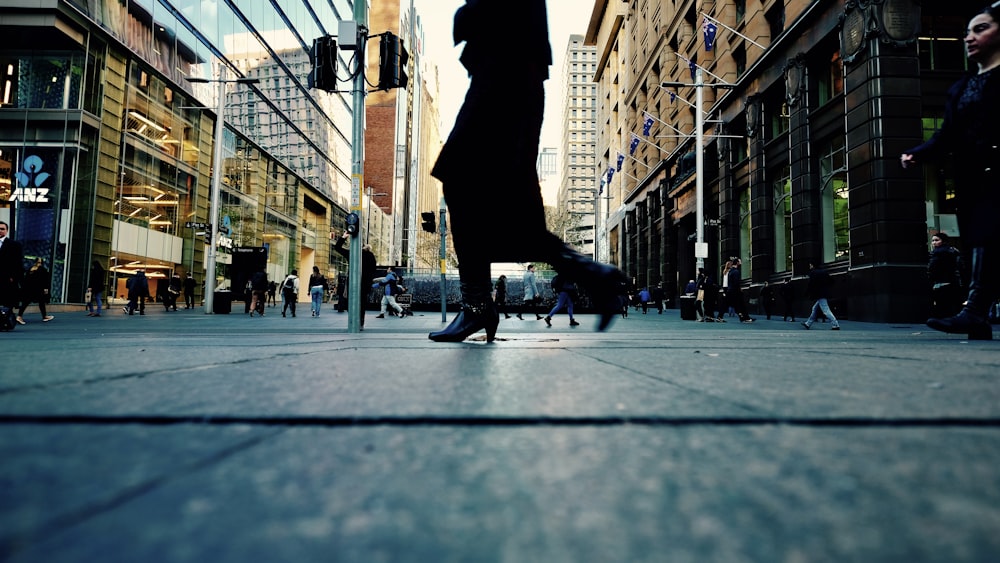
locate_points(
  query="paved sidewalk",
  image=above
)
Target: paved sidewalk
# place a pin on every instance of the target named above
(185, 437)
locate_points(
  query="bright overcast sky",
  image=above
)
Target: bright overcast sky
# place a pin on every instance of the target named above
(566, 17)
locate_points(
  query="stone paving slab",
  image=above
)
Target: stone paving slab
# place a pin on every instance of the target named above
(183, 437)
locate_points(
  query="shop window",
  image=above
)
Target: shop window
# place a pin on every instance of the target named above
(834, 200)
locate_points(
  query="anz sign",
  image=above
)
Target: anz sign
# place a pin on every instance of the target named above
(29, 182)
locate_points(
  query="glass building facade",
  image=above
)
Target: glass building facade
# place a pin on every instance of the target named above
(106, 147)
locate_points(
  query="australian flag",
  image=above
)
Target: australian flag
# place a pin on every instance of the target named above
(621, 159)
(634, 144)
(611, 173)
(647, 124)
(692, 67)
(673, 96)
(709, 29)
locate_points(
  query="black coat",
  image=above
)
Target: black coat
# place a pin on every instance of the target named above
(491, 153)
(971, 138)
(11, 271)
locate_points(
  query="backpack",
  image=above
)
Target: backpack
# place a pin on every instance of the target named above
(289, 284)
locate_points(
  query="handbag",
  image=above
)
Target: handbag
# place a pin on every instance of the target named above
(88, 297)
(700, 296)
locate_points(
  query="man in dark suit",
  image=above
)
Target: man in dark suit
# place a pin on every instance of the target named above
(368, 265)
(11, 267)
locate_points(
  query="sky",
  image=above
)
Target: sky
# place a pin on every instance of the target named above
(566, 17)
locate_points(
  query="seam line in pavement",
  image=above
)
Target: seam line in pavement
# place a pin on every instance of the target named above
(432, 420)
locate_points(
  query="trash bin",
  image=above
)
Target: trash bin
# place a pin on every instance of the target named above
(222, 303)
(687, 307)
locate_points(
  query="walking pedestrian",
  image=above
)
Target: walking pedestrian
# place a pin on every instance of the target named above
(500, 297)
(819, 290)
(35, 289)
(944, 274)
(390, 289)
(258, 292)
(511, 110)
(767, 299)
(644, 299)
(565, 289)
(11, 268)
(138, 292)
(272, 291)
(96, 288)
(173, 292)
(970, 135)
(787, 292)
(317, 289)
(189, 286)
(735, 292)
(368, 265)
(289, 292)
(532, 296)
(658, 297)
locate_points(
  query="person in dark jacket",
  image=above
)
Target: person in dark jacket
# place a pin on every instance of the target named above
(501, 296)
(819, 289)
(35, 289)
(258, 292)
(767, 299)
(970, 134)
(11, 268)
(944, 274)
(96, 288)
(189, 287)
(787, 292)
(368, 265)
(138, 292)
(734, 292)
(482, 200)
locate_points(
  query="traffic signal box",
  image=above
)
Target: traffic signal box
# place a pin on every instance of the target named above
(427, 223)
(324, 64)
(392, 62)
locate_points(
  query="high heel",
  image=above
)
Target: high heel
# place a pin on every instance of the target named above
(470, 320)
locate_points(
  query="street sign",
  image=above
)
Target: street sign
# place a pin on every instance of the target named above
(192, 225)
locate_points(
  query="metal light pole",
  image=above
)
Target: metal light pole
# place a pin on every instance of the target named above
(354, 289)
(213, 213)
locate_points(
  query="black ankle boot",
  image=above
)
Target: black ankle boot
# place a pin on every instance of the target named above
(966, 322)
(604, 283)
(470, 320)
(973, 319)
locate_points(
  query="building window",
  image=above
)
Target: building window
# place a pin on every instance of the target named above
(776, 19)
(745, 228)
(831, 78)
(940, 43)
(740, 59)
(741, 11)
(834, 198)
(782, 188)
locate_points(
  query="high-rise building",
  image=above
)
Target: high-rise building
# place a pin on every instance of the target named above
(579, 176)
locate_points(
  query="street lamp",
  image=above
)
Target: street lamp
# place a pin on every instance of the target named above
(701, 247)
(213, 213)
